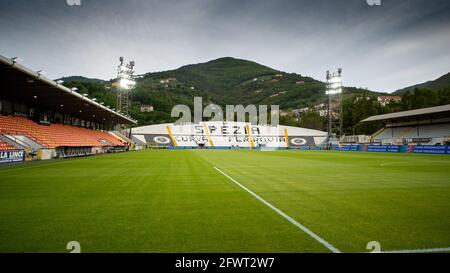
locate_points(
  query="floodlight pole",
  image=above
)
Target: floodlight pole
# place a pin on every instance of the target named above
(122, 100)
(334, 92)
(329, 120)
(125, 72)
(341, 106)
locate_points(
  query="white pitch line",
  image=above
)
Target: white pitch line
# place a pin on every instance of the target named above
(423, 250)
(284, 215)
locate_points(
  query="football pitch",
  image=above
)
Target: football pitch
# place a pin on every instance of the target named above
(227, 201)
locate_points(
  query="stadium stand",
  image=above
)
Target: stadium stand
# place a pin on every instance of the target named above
(6, 146)
(226, 135)
(428, 126)
(21, 142)
(353, 139)
(44, 118)
(56, 135)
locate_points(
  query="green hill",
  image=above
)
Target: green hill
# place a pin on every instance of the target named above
(221, 78)
(80, 79)
(221, 81)
(235, 81)
(442, 82)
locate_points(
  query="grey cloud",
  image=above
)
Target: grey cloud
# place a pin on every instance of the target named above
(382, 48)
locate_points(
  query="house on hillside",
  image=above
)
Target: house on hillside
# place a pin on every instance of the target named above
(145, 108)
(168, 80)
(298, 112)
(361, 98)
(383, 100)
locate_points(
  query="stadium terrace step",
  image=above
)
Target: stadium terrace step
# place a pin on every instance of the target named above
(57, 135)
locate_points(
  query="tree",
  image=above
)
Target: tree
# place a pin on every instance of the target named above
(358, 108)
(312, 120)
(444, 96)
(420, 98)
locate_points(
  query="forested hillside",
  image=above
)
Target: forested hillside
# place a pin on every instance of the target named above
(234, 81)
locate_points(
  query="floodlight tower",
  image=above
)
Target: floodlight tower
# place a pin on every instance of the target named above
(125, 82)
(334, 107)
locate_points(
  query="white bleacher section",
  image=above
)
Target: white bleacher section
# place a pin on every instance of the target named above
(397, 135)
(441, 130)
(227, 134)
(355, 139)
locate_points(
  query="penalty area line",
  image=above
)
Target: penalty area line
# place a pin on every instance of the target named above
(284, 215)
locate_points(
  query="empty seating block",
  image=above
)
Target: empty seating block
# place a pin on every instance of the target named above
(6, 146)
(57, 135)
(420, 131)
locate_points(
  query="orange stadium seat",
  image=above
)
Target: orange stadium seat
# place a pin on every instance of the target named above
(6, 146)
(57, 135)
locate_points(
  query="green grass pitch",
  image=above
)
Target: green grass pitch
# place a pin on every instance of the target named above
(176, 201)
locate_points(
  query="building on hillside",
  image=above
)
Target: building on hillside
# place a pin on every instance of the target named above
(323, 112)
(361, 98)
(168, 80)
(322, 109)
(146, 108)
(298, 112)
(383, 100)
(320, 106)
(284, 113)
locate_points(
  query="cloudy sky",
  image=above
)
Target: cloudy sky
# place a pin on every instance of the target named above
(383, 48)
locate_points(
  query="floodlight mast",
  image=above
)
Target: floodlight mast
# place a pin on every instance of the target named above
(334, 108)
(125, 82)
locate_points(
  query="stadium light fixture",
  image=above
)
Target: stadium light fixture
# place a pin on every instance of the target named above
(41, 73)
(74, 89)
(334, 83)
(85, 94)
(59, 81)
(127, 84)
(35, 97)
(62, 105)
